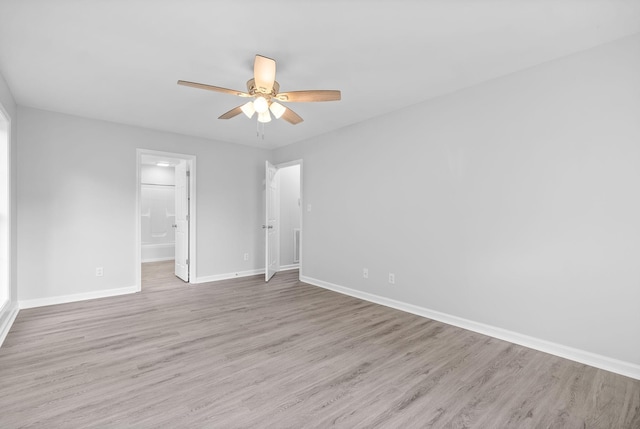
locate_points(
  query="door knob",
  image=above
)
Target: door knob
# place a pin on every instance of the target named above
(265, 226)
(174, 226)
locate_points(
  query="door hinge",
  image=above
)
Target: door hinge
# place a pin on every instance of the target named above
(188, 173)
(187, 218)
(187, 263)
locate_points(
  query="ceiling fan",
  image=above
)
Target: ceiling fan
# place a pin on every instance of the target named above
(264, 90)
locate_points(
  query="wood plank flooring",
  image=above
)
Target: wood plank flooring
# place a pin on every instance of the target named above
(243, 354)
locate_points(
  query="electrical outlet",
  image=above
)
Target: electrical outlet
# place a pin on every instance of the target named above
(99, 272)
(392, 278)
(365, 273)
(246, 256)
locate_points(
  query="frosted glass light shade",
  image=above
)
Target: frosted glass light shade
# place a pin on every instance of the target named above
(248, 109)
(277, 109)
(264, 117)
(261, 105)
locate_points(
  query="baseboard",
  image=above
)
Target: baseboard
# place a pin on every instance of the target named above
(168, 258)
(627, 369)
(7, 317)
(227, 276)
(289, 267)
(63, 299)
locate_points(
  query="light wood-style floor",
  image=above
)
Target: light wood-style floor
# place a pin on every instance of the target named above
(242, 354)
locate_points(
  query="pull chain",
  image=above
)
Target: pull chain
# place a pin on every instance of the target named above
(259, 130)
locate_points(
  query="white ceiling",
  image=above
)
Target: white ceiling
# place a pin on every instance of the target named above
(119, 60)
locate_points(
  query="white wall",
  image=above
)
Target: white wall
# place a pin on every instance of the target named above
(9, 312)
(155, 175)
(514, 203)
(77, 208)
(289, 187)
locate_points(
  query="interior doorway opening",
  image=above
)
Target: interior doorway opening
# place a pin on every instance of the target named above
(283, 217)
(166, 212)
(289, 206)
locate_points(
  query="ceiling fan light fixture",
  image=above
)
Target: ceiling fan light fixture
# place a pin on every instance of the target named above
(264, 117)
(263, 90)
(277, 109)
(261, 105)
(248, 109)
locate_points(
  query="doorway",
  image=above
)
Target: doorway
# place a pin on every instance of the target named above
(166, 213)
(283, 217)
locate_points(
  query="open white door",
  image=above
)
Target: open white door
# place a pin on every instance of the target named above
(271, 224)
(182, 221)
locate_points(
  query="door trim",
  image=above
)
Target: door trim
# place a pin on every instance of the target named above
(191, 163)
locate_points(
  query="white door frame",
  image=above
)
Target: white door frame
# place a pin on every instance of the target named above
(289, 164)
(191, 163)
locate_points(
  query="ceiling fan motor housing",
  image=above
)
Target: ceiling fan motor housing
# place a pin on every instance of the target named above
(253, 90)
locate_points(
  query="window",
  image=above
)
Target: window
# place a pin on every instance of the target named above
(5, 227)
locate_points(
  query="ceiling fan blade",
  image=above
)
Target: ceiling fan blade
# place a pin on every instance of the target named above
(264, 73)
(309, 96)
(213, 88)
(291, 117)
(231, 113)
